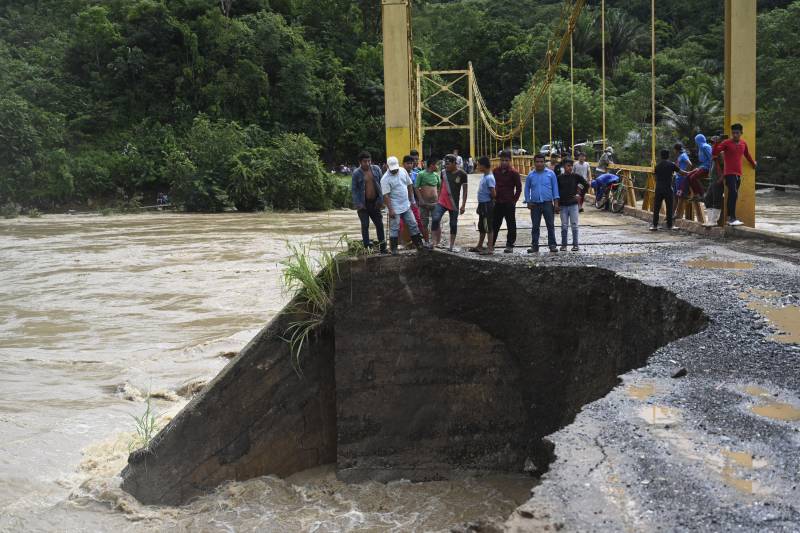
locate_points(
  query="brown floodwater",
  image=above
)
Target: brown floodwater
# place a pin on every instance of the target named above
(98, 311)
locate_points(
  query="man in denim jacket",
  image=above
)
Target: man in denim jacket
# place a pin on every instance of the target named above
(368, 199)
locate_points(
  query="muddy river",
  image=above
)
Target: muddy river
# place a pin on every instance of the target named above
(97, 312)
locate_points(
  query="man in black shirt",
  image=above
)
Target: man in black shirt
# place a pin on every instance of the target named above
(568, 190)
(665, 170)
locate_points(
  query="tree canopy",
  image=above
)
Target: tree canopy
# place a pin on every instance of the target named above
(244, 102)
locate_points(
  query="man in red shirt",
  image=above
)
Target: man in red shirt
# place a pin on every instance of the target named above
(732, 151)
(509, 189)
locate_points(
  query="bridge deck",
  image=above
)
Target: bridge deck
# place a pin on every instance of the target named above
(714, 450)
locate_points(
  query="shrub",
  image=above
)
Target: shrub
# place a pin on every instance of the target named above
(296, 178)
(9, 210)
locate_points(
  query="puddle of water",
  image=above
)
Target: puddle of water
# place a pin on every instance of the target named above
(755, 390)
(786, 319)
(778, 411)
(659, 416)
(641, 392)
(718, 265)
(772, 408)
(733, 463)
(762, 293)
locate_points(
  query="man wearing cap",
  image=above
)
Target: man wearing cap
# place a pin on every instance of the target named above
(397, 196)
(453, 189)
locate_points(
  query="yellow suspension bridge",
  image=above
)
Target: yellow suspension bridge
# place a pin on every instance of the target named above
(407, 103)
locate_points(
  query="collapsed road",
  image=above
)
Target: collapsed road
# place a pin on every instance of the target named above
(715, 449)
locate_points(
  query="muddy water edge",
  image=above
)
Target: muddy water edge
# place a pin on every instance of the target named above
(97, 312)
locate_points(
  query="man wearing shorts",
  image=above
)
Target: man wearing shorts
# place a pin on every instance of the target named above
(453, 191)
(486, 197)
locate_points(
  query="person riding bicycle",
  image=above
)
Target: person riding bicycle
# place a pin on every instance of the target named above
(602, 182)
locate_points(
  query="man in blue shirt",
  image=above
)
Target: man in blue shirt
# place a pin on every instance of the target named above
(701, 172)
(541, 196)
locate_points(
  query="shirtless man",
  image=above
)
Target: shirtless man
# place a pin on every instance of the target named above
(368, 199)
(427, 187)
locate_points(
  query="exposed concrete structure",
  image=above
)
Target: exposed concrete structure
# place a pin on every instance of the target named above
(715, 450)
(464, 365)
(255, 418)
(460, 388)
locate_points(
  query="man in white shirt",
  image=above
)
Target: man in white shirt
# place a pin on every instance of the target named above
(398, 192)
(582, 169)
(459, 159)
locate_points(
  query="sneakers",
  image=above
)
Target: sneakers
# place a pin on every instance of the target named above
(563, 247)
(575, 248)
(653, 228)
(735, 222)
(533, 250)
(553, 250)
(508, 250)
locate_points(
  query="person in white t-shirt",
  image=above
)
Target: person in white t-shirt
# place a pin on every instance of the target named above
(582, 169)
(459, 159)
(398, 192)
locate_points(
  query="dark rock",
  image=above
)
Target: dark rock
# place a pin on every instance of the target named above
(679, 373)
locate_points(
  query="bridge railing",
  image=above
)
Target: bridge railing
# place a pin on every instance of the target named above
(640, 183)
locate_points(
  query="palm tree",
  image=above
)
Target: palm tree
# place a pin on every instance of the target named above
(695, 112)
(623, 34)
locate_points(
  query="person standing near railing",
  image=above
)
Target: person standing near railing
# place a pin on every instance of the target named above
(541, 197)
(509, 189)
(692, 180)
(569, 184)
(582, 169)
(665, 172)
(733, 150)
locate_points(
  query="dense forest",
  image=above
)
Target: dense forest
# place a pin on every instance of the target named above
(247, 103)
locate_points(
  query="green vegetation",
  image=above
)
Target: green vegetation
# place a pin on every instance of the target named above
(244, 103)
(146, 427)
(506, 41)
(311, 279)
(101, 103)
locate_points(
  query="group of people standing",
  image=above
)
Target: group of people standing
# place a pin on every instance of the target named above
(720, 161)
(419, 198)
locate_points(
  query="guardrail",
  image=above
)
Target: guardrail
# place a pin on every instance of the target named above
(630, 175)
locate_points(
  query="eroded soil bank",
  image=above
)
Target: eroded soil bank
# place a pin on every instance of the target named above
(429, 367)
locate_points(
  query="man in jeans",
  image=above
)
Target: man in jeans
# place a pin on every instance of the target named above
(508, 190)
(368, 199)
(582, 169)
(568, 191)
(397, 195)
(541, 196)
(733, 150)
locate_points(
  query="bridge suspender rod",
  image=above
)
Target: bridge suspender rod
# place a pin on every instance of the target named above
(653, 82)
(549, 109)
(571, 99)
(603, 66)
